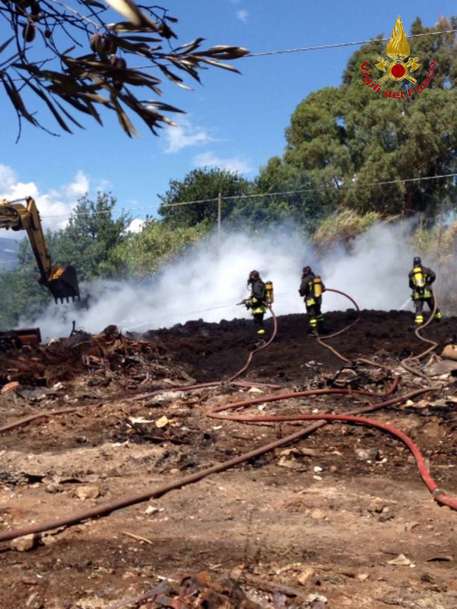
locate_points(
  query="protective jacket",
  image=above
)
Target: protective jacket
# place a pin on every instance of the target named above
(310, 289)
(258, 295)
(420, 281)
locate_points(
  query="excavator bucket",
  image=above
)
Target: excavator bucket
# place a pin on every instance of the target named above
(63, 283)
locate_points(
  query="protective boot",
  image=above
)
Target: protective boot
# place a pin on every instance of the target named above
(419, 319)
(313, 323)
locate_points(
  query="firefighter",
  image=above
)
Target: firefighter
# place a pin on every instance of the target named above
(420, 281)
(311, 288)
(258, 301)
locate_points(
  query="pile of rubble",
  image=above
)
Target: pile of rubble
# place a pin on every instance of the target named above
(104, 356)
(204, 591)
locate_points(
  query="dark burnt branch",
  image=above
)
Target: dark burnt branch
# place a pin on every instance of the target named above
(74, 59)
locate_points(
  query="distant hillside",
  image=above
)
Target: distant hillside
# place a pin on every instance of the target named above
(8, 254)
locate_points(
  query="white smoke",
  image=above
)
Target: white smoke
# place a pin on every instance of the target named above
(208, 281)
(375, 272)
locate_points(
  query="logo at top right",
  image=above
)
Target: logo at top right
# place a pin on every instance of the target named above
(398, 66)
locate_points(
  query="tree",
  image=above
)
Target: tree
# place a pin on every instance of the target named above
(298, 200)
(22, 294)
(201, 185)
(348, 138)
(71, 58)
(90, 237)
(143, 253)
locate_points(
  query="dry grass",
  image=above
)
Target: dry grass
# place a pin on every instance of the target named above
(343, 227)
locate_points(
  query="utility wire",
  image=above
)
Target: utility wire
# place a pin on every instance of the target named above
(337, 45)
(290, 192)
(317, 47)
(263, 194)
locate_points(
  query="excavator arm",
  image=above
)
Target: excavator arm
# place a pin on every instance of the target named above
(61, 281)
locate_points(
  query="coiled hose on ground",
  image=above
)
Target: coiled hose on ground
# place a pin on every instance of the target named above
(404, 363)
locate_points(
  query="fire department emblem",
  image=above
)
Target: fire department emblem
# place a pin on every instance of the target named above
(398, 65)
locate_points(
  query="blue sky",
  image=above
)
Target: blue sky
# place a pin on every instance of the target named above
(234, 121)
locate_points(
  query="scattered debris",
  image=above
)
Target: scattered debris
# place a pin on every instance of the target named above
(367, 454)
(330, 528)
(162, 422)
(24, 544)
(166, 396)
(101, 355)
(401, 561)
(306, 576)
(139, 538)
(9, 387)
(255, 390)
(450, 352)
(316, 601)
(89, 491)
(194, 591)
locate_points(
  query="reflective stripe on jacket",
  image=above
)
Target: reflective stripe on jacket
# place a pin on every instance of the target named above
(421, 274)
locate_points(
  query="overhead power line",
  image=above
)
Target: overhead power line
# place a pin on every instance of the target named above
(300, 190)
(319, 47)
(262, 195)
(338, 45)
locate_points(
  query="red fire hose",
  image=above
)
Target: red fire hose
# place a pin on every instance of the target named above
(320, 419)
(132, 499)
(438, 494)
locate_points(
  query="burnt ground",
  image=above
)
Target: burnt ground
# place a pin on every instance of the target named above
(215, 350)
(342, 516)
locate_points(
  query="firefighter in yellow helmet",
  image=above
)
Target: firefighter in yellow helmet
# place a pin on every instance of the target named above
(312, 288)
(261, 297)
(420, 281)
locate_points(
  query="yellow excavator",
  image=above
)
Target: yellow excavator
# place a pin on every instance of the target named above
(61, 281)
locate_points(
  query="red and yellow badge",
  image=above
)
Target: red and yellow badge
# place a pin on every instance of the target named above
(398, 66)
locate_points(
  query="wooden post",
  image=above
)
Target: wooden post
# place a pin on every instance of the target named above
(219, 215)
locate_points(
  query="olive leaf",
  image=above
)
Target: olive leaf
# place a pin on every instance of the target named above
(71, 59)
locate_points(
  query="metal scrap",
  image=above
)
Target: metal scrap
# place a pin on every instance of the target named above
(102, 356)
(201, 591)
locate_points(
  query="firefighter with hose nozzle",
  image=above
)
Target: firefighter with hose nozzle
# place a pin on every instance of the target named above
(420, 281)
(261, 298)
(312, 288)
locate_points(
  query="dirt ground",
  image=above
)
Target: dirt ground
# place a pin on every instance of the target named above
(342, 518)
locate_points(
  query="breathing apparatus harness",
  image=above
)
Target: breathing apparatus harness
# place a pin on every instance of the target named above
(254, 302)
(269, 293)
(316, 291)
(420, 282)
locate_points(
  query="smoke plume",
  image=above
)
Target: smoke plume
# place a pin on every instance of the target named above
(208, 281)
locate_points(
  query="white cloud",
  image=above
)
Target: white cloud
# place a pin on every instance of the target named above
(7, 177)
(55, 205)
(235, 164)
(80, 185)
(243, 15)
(184, 135)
